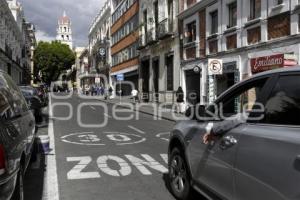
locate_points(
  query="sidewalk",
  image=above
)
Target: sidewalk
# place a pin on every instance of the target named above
(164, 111)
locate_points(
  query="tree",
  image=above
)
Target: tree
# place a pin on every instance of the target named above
(51, 59)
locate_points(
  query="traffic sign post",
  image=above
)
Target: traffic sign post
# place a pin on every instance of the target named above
(120, 78)
(215, 66)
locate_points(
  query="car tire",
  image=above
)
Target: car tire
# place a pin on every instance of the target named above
(179, 177)
(19, 188)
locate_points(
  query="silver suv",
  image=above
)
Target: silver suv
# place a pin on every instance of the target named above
(259, 159)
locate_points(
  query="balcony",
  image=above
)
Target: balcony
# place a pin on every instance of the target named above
(165, 29)
(152, 36)
(142, 42)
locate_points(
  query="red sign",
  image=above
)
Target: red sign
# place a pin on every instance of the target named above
(266, 63)
(261, 64)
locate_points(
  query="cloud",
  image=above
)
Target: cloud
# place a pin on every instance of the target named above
(42, 36)
(45, 13)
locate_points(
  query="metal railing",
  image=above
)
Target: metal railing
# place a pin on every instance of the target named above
(165, 28)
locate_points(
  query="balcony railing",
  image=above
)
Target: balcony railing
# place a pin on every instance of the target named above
(142, 41)
(151, 36)
(165, 28)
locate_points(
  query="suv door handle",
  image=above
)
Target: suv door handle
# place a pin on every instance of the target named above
(298, 158)
(227, 142)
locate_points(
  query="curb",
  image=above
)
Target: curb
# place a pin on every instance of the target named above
(144, 112)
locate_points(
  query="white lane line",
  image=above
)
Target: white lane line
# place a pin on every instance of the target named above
(51, 183)
(107, 115)
(136, 129)
(92, 107)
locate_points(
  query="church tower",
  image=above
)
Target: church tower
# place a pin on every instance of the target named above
(64, 31)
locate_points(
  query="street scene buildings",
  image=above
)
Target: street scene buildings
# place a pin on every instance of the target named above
(150, 100)
(161, 45)
(17, 42)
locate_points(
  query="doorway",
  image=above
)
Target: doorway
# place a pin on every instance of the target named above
(145, 80)
(155, 67)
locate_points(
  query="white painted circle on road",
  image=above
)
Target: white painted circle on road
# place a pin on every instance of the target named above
(101, 139)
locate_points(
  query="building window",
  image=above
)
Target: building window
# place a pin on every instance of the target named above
(279, 26)
(232, 11)
(231, 42)
(254, 35)
(213, 46)
(191, 32)
(170, 72)
(214, 22)
(156, 13)
(255, 9)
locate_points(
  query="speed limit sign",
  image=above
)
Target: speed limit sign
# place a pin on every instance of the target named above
(215, 66)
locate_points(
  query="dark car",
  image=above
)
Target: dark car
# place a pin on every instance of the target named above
(257, 159)
(33, 100)
(42, 94)
(17, 135)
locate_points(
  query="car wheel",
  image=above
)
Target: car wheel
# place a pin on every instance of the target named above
(179, 178)
(19, 188)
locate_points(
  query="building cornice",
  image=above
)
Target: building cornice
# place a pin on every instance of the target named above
(195, 8)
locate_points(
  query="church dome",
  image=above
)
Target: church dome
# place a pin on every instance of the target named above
(64, 19)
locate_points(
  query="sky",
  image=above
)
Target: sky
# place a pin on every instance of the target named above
(45, 13)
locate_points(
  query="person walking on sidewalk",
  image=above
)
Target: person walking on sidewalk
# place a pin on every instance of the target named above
(135, 95)
(180, 100)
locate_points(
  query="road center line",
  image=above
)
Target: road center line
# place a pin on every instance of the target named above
(136, 129)
(51, 183)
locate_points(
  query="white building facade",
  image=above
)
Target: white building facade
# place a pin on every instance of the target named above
(248, 36)
(159, 66)
(64, 30)
(15, 41)
(100, 45)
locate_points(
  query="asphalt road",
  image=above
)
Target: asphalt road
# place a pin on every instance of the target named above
(123, 159)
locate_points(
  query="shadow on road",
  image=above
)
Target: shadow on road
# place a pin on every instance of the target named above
(195, 195)
(34, 177)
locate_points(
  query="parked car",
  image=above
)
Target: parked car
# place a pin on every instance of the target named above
(33, 99)
(259, 159)
(17, 135)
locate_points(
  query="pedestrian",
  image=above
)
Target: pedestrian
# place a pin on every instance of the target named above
(110, 91)
(180, 100)
(135, 95)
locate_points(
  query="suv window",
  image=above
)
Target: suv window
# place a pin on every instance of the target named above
(242, 100)
(283, 106)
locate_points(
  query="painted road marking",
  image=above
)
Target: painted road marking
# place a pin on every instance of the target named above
(51, 183)
(76, 172)
(92, 107)
(164, 136)
(107, 115)
(124, 170)
(136, 129)
(102, 139)
(143, 163)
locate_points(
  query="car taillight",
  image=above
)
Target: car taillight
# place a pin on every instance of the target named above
(2, 160)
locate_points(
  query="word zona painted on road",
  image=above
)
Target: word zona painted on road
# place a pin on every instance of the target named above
(144, 163)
